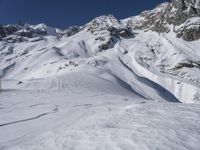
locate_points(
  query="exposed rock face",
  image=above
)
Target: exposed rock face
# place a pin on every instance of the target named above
(120, 32)
(155, 19)
(182, 10)
(109, 25)
(179, 16)
(191, 34)
(183, 15)
(108, 30)
(70, 31)
(187, 15)
(25, 33)
(18, 33)
(2, 32)
(15, 39)
(190, 31)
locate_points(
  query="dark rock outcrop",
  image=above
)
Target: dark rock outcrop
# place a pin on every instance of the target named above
(70, 31)
(184, 15)
(110, 43)
(108, 30)
(120, 32)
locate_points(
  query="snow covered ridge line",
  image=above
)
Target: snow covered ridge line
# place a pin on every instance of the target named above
(21, 32)
(168, 17)
(179, 16)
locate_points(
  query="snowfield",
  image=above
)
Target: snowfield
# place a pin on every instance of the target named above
(60, 95)
(76, 118)
(56, 98)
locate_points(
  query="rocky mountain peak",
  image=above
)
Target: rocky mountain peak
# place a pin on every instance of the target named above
(20, 32)
(184, 4)
(102, 23)
(107, 30)
(182, 15)
(185, 16)
(181, 10)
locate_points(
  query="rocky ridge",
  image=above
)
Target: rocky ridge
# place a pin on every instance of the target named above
(179, 16)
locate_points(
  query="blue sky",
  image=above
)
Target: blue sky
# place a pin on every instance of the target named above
(63, 13)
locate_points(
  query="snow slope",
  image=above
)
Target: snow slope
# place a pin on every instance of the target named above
(74, 119)
(146, 61)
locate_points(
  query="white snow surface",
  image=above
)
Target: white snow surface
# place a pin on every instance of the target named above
(65, 94)
(76, 118)
(144, 63)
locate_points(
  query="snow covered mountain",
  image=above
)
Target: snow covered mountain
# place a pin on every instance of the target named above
(108, 85)
(155, 54)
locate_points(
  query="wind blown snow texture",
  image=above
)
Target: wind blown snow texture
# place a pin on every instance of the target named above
(106, 85)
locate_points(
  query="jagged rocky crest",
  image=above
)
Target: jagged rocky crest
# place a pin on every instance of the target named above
(179, 16)
(108, 30)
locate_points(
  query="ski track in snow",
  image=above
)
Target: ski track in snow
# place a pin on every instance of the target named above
(94, 120)
(24, 120)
